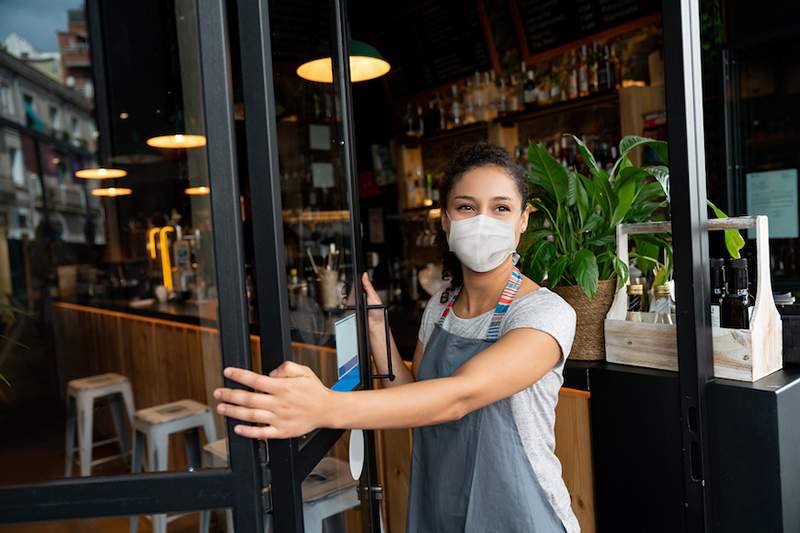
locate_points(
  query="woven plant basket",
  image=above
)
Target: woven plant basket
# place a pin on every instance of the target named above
(589, 344)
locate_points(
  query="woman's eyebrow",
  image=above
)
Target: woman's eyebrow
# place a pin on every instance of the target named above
(463, 197)
(501, 198)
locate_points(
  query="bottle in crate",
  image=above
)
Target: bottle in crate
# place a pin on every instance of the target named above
(737, 305)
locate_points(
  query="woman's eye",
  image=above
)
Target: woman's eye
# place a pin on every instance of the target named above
(503, 208)
(464, 207)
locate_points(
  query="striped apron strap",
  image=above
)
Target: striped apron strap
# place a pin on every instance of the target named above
(509, 293)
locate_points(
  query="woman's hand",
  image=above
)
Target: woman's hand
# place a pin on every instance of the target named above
(375, 315)
(290, 402)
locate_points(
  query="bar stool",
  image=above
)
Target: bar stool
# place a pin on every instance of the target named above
(154, 425)
(81, 396)
(327, 491)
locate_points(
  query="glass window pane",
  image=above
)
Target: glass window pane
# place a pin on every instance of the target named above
(107, 271)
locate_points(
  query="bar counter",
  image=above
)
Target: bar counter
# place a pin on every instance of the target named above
(171, 352)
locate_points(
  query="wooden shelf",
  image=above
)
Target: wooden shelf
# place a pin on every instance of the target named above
(559, 107)
(408, 140)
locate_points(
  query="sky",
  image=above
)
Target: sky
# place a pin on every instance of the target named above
(36, 20)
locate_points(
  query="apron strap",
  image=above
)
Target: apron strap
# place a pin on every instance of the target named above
(506, 297)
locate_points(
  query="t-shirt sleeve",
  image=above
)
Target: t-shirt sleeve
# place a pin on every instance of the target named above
(429, 317)
(546, 312)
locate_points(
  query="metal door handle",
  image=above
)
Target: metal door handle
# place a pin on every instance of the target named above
(367, 307)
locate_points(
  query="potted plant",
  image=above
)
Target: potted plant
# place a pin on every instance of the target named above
(570, 242)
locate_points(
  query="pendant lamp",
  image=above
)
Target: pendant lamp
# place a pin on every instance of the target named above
(366, 63)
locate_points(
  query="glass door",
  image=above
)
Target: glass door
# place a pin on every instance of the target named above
(298, 132)
(122, 271)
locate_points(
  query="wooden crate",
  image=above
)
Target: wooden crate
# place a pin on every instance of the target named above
(740, 354)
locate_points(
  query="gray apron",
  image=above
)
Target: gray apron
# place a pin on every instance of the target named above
(472, 475)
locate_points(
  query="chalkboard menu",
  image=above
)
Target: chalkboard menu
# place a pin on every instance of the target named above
(434, 43)
(553, 23)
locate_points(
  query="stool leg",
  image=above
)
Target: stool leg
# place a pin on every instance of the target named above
(191, 441)
(205, 521)
(210, 429)
(70, 435)
(85, 425)
(158, 452)
(137, 457)
(127, 398)
(137, 452)
(119, 425)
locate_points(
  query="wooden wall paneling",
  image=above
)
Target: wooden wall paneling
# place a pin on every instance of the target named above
(211, 351)
(574, 450)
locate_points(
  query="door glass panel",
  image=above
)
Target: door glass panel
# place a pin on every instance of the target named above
(314, 191)
(107, 276)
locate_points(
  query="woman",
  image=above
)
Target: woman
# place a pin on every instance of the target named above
(486, 373)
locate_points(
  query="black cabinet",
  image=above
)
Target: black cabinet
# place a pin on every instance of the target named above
(755, 453)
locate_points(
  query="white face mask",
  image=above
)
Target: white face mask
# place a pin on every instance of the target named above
(482, 242)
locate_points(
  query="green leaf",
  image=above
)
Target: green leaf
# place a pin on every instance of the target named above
(661, 174)
(537, 259)
(594, 221)
(646, 253)
(548, 172)
(734, 241)
(630, 142)
(588, 158)
(572, 187)
(625, 199)
(582, 201)
(620, 269)
(584, 267)
(538, 234)
(556, 271)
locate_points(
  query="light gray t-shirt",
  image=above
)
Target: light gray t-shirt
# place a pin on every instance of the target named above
(533, 407)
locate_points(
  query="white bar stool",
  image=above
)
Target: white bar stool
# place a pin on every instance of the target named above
(154, 425)
(327, 491)
(81, 396)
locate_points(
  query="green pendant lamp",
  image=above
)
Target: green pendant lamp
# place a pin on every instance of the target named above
(366, 63)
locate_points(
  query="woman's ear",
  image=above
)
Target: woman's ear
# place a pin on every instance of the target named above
(524, 219)
(445, 221)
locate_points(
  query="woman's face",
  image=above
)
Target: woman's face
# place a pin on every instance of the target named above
(486, 190)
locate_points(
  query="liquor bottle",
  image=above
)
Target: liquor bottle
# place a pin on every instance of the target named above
(718, 288)
(489, 95)
(737, 305)
(441, 113)
(594, 67)
(616, 68)
(635, 292)
(605, 74)
(502, 101)
(563, 156)
(583, 74)
(573, 75)
(469, 103)
(512, 95)
(523, 76)
(409, 120)
(455, 108)
(420, 122)
(662, 305)
(529, 90)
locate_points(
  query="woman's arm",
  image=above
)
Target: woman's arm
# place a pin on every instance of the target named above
(292, 401)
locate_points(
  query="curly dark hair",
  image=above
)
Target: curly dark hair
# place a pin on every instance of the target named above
(465, 159)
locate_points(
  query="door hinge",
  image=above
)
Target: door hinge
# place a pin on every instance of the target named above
(375, 491)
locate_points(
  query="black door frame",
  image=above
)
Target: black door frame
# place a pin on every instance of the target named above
(684, 100)
(290, 460)
(239, 486)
